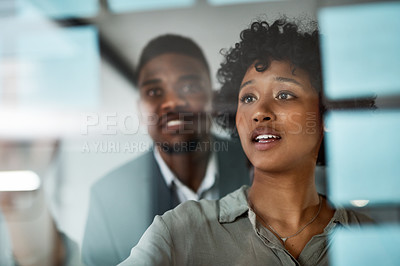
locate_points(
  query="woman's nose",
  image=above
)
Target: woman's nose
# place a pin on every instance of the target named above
(263, 111)
(261, 116)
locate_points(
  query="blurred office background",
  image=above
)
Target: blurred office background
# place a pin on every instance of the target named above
(66, 70)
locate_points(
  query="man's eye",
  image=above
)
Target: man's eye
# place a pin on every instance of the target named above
(247, 99)
(154, 92)
(285, 96)
(190, 88)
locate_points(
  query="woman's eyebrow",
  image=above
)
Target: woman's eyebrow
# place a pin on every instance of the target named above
(246, 83)
(290, 80)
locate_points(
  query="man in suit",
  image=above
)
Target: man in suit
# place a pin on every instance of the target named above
(185, 163)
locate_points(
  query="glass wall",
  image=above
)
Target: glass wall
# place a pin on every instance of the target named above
(77, 127)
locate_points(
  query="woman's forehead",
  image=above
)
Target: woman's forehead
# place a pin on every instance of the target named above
(279, 71)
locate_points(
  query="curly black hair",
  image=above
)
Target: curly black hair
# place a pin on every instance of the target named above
(260, 44)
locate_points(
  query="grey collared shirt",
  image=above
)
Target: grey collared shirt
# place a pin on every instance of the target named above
(225, 232)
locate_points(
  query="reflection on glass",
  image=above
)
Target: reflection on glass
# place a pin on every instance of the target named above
(359, 203)
(142, 5)
(361, 56)
(46, 76)
(1, 71)
(59, 68)
(19, 181)
(363, 152)
(369, 246)
(57, 8)
(229, 2)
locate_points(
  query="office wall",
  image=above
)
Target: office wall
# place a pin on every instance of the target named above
(213, 28)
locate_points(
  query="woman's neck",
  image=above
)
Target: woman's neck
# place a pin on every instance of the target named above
(284, 197)
(289, 203)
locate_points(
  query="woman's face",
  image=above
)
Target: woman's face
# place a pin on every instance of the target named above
(278, 118)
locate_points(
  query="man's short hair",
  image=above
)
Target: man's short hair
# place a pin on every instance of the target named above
(169, 43)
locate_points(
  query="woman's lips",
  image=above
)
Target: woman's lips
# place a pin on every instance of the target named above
(265, 139)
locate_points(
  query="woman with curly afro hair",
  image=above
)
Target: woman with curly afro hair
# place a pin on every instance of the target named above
(272, 77)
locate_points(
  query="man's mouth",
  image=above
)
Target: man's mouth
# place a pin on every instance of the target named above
(174, 123)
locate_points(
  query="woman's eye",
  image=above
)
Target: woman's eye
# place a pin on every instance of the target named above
(247, 99)
(285, 96)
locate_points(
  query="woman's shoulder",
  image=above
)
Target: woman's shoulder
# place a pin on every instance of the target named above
(192, 213)
(193, 210)
(356, 217)
(352, 217)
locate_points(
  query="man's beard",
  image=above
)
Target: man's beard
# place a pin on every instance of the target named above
(195, 145)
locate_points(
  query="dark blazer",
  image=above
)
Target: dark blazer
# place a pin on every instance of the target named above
(124, 202)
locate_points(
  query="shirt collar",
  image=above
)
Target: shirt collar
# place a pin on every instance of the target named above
(233, 205)
(169, 177)
(164, 169)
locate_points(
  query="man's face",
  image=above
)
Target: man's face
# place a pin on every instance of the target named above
(175, 92)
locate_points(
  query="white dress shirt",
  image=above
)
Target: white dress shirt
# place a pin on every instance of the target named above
(207, 189)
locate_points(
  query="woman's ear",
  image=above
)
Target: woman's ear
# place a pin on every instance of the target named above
(321, 153)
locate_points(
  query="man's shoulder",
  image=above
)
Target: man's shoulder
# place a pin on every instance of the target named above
(129, 173)
(228, 143)
(225, 148)
(232, 165)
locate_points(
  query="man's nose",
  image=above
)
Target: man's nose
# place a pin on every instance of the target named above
(172, 101)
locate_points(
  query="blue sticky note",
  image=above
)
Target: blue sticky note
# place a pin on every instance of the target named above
(58, 69)
(363, 156)
(1, 71)
(230, 2)
(144, 5)
(368, 246)
(360, 49)
(57, 8)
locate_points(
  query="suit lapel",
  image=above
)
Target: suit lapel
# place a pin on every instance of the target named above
(232, 169)
(163, 198)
